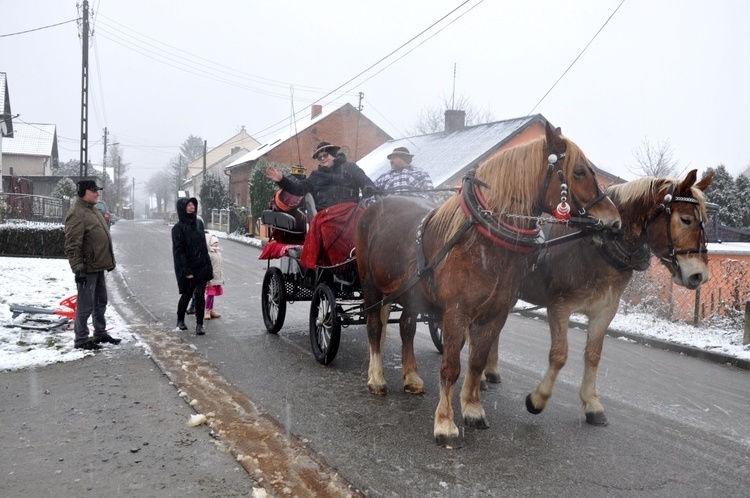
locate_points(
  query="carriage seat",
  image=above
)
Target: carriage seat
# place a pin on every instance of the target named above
(282, 221)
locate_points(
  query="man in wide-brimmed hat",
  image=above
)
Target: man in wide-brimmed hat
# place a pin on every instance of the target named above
(404, 178)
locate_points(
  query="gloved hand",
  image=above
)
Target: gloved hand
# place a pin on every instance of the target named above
(81, 277)
(368, 191)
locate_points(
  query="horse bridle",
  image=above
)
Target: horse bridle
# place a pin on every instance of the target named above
(666, 207)
(562, 211)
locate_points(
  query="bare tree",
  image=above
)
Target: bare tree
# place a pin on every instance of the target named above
(432, 118)
(655, 160)
(160, 185)
(178, 170)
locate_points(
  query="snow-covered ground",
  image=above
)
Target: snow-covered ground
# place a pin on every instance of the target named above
(44, 283)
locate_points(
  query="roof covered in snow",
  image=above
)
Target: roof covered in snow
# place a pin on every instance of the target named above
(32, 139)
(446, 156)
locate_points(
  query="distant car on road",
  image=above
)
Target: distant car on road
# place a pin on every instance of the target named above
(101, 206)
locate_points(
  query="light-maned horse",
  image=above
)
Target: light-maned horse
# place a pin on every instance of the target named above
(474, 283)
(662, 216)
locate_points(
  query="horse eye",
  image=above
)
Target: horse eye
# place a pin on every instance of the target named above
(686, 221)
(580, 173)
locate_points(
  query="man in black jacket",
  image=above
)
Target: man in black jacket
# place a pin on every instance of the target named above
(88, 247)
(192, 264)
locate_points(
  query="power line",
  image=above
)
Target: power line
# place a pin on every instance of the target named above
(38, 29)
(384, 58)
(575, 60)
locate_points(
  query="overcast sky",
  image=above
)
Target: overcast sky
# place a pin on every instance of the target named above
(160, 71)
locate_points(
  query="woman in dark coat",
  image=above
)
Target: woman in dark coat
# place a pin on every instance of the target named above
(334, 182)
(192, 264)
(335, 187)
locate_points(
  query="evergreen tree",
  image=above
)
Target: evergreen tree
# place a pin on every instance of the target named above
(214, 194)
(723, 192)
(65, 188)
(742, 187)
(261, 188)
(191, 149)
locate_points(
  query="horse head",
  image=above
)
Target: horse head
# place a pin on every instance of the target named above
(572, 189)
(680, 242)
(550, 174)
(667, 216)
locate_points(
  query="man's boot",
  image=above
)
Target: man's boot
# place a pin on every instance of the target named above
(181, 323)
(199, 330)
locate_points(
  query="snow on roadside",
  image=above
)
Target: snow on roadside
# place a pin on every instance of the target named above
(44, 283)
(41, 283)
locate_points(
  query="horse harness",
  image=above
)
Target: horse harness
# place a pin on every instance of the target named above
(490, 225)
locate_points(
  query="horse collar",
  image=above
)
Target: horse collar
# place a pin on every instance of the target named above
(491, 226)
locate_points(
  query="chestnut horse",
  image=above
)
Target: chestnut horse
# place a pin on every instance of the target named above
(662, 216)
(465, 262)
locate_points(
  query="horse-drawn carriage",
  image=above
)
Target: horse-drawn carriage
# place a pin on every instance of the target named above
(478, 249)
(334, 290)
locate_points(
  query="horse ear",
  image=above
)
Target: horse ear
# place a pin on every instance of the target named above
(555, 142)
(689, 181)
(705, 182)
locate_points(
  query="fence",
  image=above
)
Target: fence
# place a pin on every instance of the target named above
(32, 208)
(219, 220)
(720, 301)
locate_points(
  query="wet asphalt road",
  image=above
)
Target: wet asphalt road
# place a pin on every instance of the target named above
(679, 426)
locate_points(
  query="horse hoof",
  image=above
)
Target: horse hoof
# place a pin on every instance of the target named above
(378, 390)
(483, 386)
(597, 418)
(449, 442)
(534, 410)
(414, 389)
(493, 378)
(476, 423)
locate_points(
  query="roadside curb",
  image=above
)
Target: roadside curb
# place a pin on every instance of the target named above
(702, 354)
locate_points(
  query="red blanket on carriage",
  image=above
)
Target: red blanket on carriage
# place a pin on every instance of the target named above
(330, 240)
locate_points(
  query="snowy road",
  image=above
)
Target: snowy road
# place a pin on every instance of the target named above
(678, 425)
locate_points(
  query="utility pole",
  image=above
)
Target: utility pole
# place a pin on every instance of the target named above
(132, 199)
(118, 200)
(84, 168)
(205, 147)
(104, 161)
(178, 177)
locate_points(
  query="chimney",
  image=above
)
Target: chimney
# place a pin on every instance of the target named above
(316, 109)
(454, 120)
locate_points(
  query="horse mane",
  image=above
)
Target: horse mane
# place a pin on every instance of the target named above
(513, 176)
(649, 191)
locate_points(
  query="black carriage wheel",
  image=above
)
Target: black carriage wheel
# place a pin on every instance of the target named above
(436, 332)
(273, 300)
(325, 327)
